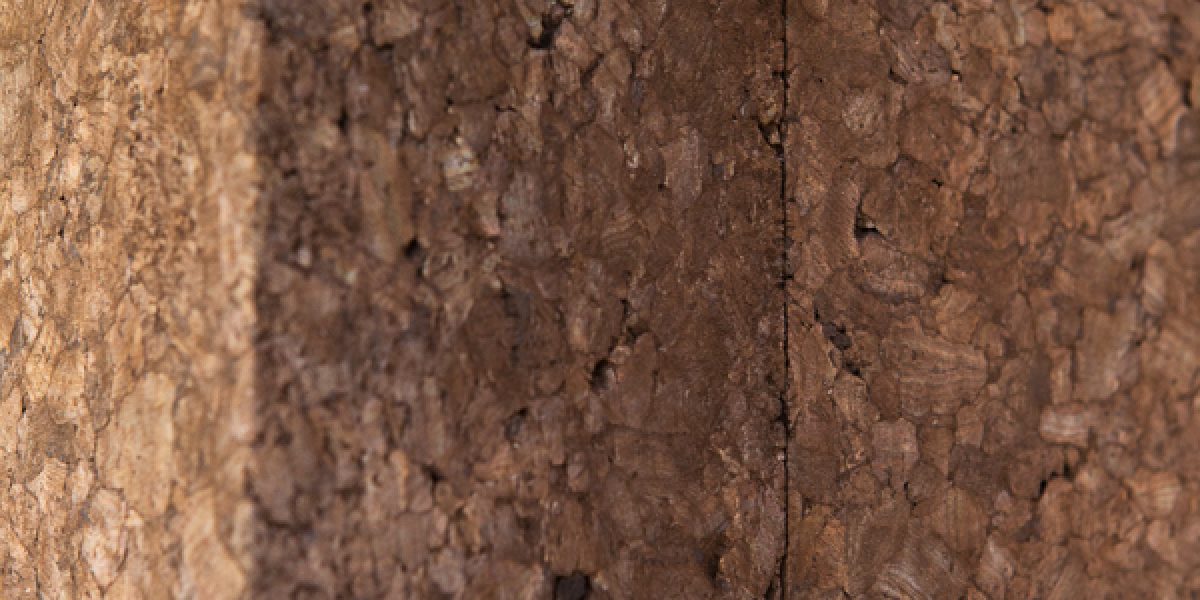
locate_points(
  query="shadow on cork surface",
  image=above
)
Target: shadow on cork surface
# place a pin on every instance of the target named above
(519, 313)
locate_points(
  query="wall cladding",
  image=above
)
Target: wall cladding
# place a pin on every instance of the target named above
(993, 223)
(598, 299)
(520, 321)
(126, 366)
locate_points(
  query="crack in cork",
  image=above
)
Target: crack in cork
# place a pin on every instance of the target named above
(785, 276)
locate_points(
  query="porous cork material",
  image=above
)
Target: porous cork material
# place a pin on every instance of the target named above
(993, 212)
(520, 321)
(127, 364)
(599, 299)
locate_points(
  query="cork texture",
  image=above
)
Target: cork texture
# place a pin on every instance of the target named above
(992, 214)
(599, 299)
(126, 362)
(520, 322)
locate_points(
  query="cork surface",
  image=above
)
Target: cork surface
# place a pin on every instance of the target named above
(519, 308)
(599, 299)
(126, 364)
(993, 214)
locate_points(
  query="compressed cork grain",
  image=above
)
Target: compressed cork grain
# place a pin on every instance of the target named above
(520, 322)
(599, 299)
(992, 233)
(126, 306)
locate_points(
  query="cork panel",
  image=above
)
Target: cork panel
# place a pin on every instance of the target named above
(520, 326)
(126, 216)
(992, 209)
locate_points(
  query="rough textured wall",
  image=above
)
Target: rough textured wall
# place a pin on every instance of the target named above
(421, 299)
(993, 344)
(520, 321)
(125, 298)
